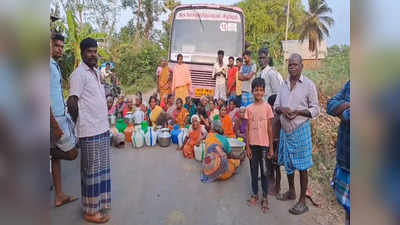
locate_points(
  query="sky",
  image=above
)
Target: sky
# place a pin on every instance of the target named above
(339, 32)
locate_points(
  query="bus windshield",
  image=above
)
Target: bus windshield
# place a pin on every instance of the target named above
(199, 33)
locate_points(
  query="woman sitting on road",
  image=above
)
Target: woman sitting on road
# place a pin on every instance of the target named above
(219, 162)
(180, 114)
(128, 107)
(197, 133)
(233, 110)
(227, 124)
(190, 107)
(154, 111)
(120, 106)
(240, 125)
(110, 106)
(214, 112)
(170, 107)
(202, 112)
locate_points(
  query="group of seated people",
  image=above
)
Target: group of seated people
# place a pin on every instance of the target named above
(211, 121)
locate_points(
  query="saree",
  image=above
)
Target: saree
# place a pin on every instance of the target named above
(217, 166)
(194, 138)
(214, 138)
(227, 125)
(181, 81)
(191, 110)
(181, 92)
(181, 117)
(163, 81)
(155, 113)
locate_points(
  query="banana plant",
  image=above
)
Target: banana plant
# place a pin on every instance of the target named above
(76, 33)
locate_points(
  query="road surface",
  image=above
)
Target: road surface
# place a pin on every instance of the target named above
(157, 185)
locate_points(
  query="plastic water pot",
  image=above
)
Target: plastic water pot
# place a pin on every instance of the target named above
(181, 137)
(138, 138)
(174, 134)
(151, 137)
(199, 151)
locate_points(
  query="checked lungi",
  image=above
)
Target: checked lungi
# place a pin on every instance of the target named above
(295, 149)
(95, 173)
(341, 185)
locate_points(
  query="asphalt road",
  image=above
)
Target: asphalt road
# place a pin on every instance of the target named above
(157, 185)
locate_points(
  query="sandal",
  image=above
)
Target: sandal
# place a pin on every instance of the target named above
(252, 201)
(96, 218)
(264, 205)
(67, 200)
(298, 209)
(285, 196)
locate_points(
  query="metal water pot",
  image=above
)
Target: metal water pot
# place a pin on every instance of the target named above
(164, 137)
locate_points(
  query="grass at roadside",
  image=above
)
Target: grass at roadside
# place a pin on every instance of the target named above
(329, 80)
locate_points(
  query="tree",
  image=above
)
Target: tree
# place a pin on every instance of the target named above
(168, 7)
(77, 33)
(315, 26)
(152, 11)
(266, 23)
(147, 12)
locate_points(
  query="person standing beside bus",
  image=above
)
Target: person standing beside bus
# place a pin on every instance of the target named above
(181, 81)
(239, 63)
(219, 73)
(231, 84)
(246, 75)
(164, 79)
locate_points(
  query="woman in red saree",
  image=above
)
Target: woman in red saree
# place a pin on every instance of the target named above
(196, 134)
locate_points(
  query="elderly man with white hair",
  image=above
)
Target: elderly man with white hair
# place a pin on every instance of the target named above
(296, 103)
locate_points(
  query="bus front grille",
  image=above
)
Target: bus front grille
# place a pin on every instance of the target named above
(202, 78)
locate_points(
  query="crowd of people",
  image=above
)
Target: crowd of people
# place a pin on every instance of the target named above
(270, 115)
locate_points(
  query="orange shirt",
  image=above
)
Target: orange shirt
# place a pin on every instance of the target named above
(258, 116)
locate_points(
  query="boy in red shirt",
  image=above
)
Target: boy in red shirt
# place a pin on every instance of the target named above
(231, 84)
(259, 146)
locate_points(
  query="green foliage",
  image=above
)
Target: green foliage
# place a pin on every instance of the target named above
(139, 63)
(316, 24)
(78, 32)
(334, 72)
(266, 23)
(66, 64)
(143, 85)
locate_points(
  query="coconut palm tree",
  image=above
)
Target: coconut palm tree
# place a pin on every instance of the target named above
(315, 26)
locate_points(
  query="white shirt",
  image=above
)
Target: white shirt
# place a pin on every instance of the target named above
(273, 81)
(217, 68)
(86, 85)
